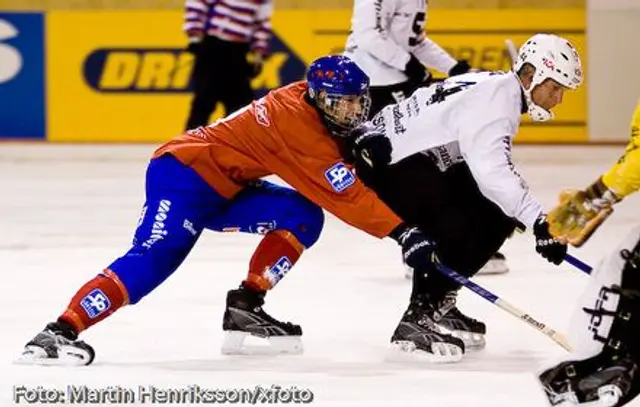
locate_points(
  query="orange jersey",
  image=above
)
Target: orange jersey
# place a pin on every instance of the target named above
(281, 134)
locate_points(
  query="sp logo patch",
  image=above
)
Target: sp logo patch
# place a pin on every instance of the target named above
(95, 303)
(340, 177)
(278, 270)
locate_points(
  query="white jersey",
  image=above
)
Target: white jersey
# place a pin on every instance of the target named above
(384, 32)
(473, 118)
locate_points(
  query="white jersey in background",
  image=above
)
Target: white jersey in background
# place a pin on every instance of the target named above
(473, 118)
(384, 32)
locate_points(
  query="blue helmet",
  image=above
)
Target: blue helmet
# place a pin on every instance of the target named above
(340, 90)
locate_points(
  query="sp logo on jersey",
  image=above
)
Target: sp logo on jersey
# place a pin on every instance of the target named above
(278, 270)
(95, 303)
(340, 177)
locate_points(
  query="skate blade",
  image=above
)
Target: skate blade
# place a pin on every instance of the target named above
(493, 267)
(441, 352)
(67, 356)
(608, 396)
(243, 343)
(472, 340)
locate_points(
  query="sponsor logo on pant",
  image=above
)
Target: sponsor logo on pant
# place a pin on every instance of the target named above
(189, 227)
(158, 230)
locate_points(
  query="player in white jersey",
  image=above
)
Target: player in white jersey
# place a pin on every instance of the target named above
(442, 160)
(388, 41)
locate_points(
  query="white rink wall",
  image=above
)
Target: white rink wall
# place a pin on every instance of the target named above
(612, 68)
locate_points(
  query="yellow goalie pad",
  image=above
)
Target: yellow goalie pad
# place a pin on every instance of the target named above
(575, 219)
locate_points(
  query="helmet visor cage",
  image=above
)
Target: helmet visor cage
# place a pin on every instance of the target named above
(345, 111)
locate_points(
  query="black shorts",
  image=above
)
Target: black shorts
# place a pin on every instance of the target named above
(448, 206)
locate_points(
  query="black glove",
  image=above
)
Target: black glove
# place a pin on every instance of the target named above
(370, 147)
(460, 68)
(418, 252)
(416, 72)
(548, 247)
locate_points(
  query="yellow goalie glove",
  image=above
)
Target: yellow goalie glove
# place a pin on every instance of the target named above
(580, 212)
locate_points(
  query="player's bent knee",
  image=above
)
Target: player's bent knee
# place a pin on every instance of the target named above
(142, 271)
(309, 225)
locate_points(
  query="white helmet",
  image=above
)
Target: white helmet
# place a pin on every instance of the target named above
(552, 57)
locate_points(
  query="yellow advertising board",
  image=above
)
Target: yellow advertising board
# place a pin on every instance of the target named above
(125, 76)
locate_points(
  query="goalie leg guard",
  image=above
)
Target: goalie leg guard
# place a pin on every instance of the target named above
(604, 369)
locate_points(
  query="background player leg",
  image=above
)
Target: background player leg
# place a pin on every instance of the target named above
(468, 230)
(235, 89)
(290, 224)
(206, 81)
(175, 195)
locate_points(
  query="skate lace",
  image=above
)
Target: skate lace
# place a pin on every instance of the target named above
(455, 313)
(50, 340)
(58, 338)
(447, 306)
(448, 310)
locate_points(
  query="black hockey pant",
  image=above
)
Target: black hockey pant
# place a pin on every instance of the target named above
(448, 206)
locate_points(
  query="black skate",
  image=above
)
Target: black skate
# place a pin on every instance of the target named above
(602, 380)
(244, 317)
(57, 344)
(450, 320)
(418, 333)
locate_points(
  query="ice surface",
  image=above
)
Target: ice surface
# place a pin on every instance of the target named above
(67, 211)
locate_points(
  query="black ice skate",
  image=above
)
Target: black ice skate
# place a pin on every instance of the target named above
(57, 344)
(601, 380)
(449, 318)
(244, 318)
(419, 334)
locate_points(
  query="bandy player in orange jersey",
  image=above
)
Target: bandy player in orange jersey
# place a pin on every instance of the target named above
(210, 178)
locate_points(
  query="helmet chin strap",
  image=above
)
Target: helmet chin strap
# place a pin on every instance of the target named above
(536, 112)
